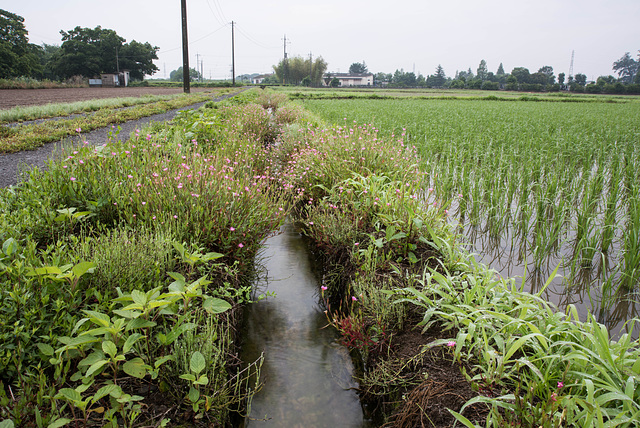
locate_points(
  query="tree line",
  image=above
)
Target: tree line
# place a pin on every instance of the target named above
(520, 79)
(86, 52)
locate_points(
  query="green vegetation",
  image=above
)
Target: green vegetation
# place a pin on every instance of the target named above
(123, 268)
(29, 137)
(553, 181)
(19, 114)
(129, 274)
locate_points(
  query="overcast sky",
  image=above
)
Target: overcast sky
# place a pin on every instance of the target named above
(414, 35)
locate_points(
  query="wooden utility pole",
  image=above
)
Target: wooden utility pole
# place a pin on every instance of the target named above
(233, 56)
(185, 50)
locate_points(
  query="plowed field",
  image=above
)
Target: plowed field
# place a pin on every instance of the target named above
(10, 98)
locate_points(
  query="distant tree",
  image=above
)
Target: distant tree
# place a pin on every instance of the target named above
(440, 78)
(335, 82)
(382, 78)
(404, 80)
(138, 59)
(176, 75)
(626, 67)
(581, 79)
(46, 54)
(18, 57)
(293, 70)
(512, 83)
(500, 71)
(604, 80)
(358, 68)
(521, 74)
(482, 70)
(547, 71)
(561, 79)
(92, 51)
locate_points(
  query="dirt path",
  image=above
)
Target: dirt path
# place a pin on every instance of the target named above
(10, 98)
(12, 164)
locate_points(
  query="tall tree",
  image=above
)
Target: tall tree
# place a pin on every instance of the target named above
(18, 57)
(439, 79)
(500, 71)
(176, 75)
(358, 68)
(89, 52)
(547, 71)
(561, 79)
(138, 59)
(581, 79)
(293, 70)
(522, 74)
(482, 70)
(626, 67)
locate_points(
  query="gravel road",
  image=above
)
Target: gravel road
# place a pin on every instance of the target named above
(12, 164)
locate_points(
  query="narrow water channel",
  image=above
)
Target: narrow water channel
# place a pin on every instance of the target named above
(307, 375)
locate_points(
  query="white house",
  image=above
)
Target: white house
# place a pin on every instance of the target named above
(349, 79)
(259, 79)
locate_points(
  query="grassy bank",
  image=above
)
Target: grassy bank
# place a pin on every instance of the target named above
(124, 268)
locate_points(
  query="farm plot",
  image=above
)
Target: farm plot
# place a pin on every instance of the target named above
(28, 97)
(533, 185)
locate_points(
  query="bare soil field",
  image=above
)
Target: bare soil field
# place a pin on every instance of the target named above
(10, 98)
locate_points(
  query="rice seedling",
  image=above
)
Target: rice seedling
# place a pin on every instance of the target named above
(561, 176)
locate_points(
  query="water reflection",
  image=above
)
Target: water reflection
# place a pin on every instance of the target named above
(585, 287)
(307, 375)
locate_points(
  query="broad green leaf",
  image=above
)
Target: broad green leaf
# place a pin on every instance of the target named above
(7, 423)
(131, 340)
(45, 349)
(189, 377)
(216, 305)
(194, 395)
(197, 363)
(69, 394)
(160, 361)
(83, 267)
(92, 358)
(98, 318)
(114, 390)
(212, 256)
(10, 247)
(202, 380)
(59, 423)
(139, 297)
(109, 348)
(140, 323)
(135, 367)
(44, 270)
(96, 366)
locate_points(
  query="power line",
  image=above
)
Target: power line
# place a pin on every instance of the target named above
(196, 40)
(252, 40)
(221, 22)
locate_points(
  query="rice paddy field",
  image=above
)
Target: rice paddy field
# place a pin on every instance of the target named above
(536, 188)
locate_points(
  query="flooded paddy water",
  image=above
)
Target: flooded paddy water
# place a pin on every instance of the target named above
(306, 374)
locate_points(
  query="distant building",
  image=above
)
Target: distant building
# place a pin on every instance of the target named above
(349, 79)
(111, 79)
(257, 80)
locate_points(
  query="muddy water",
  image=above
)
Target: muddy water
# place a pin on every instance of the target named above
(307, 376)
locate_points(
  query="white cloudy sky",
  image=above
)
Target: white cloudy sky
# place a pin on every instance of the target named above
(388, 35)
